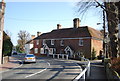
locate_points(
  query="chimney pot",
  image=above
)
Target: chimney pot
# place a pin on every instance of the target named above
(32, 36)
(58, 26)
(38, 33)
(76, 23)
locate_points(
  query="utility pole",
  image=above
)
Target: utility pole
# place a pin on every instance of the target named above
(2, 10)
(104, 43)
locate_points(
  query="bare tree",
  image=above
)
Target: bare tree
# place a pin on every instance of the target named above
(111, 10)
(23, 38)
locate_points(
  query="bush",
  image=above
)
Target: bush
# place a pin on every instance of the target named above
(115, 64)
(93, 54)
(7, 45)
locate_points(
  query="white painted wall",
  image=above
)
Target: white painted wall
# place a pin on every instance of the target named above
(28, 47)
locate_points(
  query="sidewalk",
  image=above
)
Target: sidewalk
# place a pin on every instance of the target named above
(97, 71)
(11, 64)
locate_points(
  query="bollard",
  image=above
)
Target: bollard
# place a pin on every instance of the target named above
(53, 56)
(62, 56)
(58, 56)
(66, 57)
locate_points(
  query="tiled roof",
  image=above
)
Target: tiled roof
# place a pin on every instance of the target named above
(84, 31)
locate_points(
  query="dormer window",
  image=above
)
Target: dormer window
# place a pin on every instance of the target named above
(62, 43)
(80, 42)
(52, 42)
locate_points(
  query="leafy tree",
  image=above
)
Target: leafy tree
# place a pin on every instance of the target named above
(7, 45)
(23, 38)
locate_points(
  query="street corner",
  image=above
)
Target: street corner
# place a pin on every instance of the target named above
(10, 65)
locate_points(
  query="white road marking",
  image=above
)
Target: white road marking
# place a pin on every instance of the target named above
(48, 63)
(38, 72)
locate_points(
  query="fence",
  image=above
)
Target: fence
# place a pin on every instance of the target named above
(82, 76)
(61, 55)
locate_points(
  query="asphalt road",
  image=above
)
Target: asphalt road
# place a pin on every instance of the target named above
(46, 69)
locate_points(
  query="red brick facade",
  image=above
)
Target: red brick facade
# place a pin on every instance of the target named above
(76, 42)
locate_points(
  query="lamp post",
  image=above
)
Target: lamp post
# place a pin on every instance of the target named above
(2, 7)
(104, 34)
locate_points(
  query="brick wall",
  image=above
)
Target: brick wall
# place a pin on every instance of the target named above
(97, 45)
(74, 45)
(88, 45)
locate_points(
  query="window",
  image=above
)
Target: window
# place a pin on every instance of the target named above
(80, 53)
(36, 50)
(51, 51)
(81, 42)
(54, 51)
(37, 42)
(62, 43)
(44, 42)
(41, 50)
(52, 42)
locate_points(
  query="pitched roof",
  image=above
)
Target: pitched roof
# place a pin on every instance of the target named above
(30, 41)
(84, 31)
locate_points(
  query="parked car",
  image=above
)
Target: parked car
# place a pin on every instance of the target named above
(29, 58)
(14, 53)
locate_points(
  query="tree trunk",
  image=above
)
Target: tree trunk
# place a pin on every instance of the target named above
(113, 21)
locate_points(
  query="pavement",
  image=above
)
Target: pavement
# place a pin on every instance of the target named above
(97, 71)
(13, 63)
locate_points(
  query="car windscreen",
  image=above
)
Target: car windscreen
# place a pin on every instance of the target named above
(29, 55)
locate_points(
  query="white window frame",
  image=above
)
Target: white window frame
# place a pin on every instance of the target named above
(81, 42)
(35, 50)
(61, 43)
(42, 50)
(44, 41)
(50, 50)
(52, 42)
(37, 42)
(54, 50)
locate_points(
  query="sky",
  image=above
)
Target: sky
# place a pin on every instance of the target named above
(44, 17)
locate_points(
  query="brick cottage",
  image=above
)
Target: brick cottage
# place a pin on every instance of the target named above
(76, 41)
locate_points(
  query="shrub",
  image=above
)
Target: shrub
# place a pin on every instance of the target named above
(93, 54)
(115, 64)
(7, 45)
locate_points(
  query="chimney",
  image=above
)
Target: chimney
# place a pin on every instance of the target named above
(76, 23)
(32, 36)
(38, 33)
(58, 26)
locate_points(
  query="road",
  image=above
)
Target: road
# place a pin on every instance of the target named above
(47, 69)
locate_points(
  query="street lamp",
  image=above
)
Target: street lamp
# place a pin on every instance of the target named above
(104, 33)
